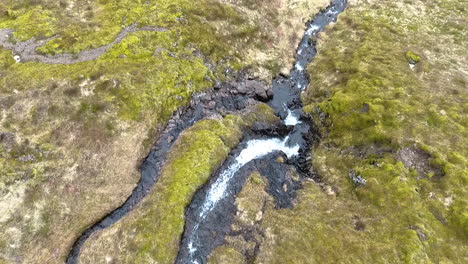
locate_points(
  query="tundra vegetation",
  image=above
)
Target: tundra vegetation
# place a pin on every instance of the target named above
(72, 136)
(388, 93)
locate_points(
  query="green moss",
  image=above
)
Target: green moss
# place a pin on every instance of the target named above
(6, 58)
(227, 255)
(109, 105)
(33, 22)
(201, 151)
(459, 218)
(99, 106)
(197, 153)
(412, 57)
(375, 106)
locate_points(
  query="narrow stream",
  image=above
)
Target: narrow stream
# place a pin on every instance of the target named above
(212, 205)
(219, 193)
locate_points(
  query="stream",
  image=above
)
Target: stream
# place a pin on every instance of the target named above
(212, 207)
(209, 216)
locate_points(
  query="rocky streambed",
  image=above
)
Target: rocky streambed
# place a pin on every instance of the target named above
(210, 214)
(213, 206)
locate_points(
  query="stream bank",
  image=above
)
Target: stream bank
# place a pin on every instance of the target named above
(283, 97)
(209, 216)
(220, 101)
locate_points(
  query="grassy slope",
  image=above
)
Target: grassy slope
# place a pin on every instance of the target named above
(81, 129)
(152, 232)
(373, 106)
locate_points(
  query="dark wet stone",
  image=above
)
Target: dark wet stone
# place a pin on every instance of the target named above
(242, 88)
(217, 224)
(212, 105)
(217, 85)
(261, 93)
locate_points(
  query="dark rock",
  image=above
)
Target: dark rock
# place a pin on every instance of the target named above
(261, 94)
(259, 89)
(242, 88)
(254, 83)
(358, 224)
(261, 128)
(212, 105)
(217, 85)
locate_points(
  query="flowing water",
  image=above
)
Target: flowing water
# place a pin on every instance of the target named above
(255, 149)
(212, 204)
(207, 204)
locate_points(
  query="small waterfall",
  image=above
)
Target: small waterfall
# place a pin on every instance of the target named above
(286, 103)
(255, 149)
(291, 119)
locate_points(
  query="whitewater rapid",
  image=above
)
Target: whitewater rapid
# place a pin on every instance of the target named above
(256, 148)
(286, 103)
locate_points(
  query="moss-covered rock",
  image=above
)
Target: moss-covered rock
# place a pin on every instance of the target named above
(412, 57)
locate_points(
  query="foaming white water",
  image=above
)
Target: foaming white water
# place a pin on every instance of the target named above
(291, 119)
(313, 29)
(299, 67)
(255, 149)
(332, 12)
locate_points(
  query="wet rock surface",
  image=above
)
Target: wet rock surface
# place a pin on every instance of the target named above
(213, 229)
(284, 97)
(208, 220)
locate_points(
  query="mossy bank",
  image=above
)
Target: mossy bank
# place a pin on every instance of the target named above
(152, 232)
(72, 136)
(388, 93)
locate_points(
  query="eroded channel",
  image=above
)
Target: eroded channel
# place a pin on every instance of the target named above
(209, 216)
(212, 207)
